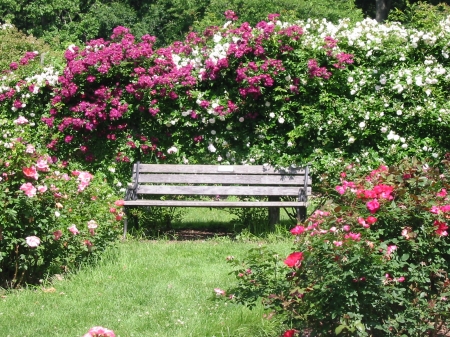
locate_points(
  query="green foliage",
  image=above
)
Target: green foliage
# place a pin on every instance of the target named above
(254, 11)
(420, 15)
(14, 44)
(373, 262)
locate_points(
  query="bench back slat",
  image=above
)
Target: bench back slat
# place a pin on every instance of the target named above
(216, 169)
(220, 190)
(245, 179)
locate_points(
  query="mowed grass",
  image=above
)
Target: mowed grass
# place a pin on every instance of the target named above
(153, 288)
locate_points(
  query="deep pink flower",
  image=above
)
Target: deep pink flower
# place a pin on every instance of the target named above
(289, 333)
(441, 228)
(340, 189)
(400, 279)
(373, 206)
(435, 209)
(98, 331)
(371, 220)
(297, 230)
(230, 15)
(442, 193)
(353, 236)
(294, 259)
(57, 234)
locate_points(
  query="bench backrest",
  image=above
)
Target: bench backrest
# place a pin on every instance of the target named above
(212, 180)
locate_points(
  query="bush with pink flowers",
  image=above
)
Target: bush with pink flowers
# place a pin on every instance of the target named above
(373, 261)
(54, 217)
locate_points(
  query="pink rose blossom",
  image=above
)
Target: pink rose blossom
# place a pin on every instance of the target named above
(33, 241)
(337, 243)
(219, 292)
(30, 149)
(30, 172)
(442, 193)
(400, 279)
(74, 230)
(28, 189)
(98, 331)
(297, 230)
(119, 203)
(353, 236)
(346, 228)
(57, 234)
(435, 209)
(294, 259)
(21, 120)
(42, 188)
(373, 206)
(340, 189)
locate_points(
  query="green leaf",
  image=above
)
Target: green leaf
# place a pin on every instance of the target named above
(339, 329)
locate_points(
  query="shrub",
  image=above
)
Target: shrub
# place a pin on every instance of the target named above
(54, 217)
(373, 262)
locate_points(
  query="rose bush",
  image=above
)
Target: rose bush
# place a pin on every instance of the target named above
(282, 93)
(54, 217)
(373, 262)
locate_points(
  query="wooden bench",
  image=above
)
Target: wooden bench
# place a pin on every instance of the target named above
(155, 180)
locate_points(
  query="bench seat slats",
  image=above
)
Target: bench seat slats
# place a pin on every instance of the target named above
(179, 203)
(217, 169)
(246, 179)
(220, 190)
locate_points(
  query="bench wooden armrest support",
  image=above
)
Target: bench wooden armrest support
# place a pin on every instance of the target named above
(150, 181)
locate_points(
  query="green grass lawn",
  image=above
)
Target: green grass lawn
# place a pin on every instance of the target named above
(153, 288)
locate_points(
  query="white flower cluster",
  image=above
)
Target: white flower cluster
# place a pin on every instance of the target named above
(5, 26)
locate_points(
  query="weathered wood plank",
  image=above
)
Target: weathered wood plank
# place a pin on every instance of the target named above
(220, 190)
(180, 203)
(297, 180)
(217, 169)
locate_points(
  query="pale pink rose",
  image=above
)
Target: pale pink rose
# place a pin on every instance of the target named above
(28, 189)
(21, 120)
(85, 177)
(219, 292)
(337, 243)
(390, 250)
(92, 224)
(74, 230)
(32, 241)
(65, 177)
(346, 228)
(42, 188)
(30, 149)
(42, 165)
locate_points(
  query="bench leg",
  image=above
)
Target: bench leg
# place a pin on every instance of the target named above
(125, 224)
(301, 214)
(274, 214)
